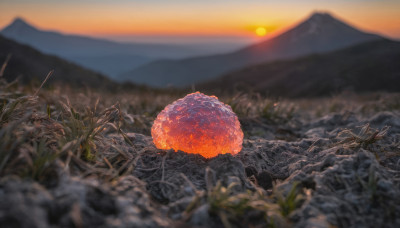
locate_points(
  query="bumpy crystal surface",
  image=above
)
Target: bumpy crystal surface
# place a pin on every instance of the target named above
(198, 124)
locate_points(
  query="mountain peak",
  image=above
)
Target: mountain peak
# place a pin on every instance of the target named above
(19, 21)
(321, 14)
(321, 17)
(18, 24)
(319, 23)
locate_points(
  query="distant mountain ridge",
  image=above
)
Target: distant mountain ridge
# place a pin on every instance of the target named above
(104, 56)
(320, 33)
(75, 45)
(30, 64)
(366, 67)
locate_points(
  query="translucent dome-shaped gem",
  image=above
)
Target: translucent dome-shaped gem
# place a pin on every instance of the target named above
(198, 124)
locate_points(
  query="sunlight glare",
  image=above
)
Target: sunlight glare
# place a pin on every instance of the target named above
(261, 31)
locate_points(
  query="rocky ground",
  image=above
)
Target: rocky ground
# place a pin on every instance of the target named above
(305, 163)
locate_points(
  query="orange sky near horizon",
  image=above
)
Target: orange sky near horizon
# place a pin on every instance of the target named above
(203, 18)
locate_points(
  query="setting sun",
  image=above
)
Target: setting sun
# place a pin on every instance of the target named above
(261, 31)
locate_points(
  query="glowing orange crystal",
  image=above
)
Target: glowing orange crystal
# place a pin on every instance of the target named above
(198, 124)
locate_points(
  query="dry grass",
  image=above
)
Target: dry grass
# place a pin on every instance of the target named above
(71, 123)
(366, 137)
(64, 130)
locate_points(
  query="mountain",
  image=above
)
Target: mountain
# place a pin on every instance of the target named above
(104, 56)
(370, 66)
(30, 64)
(320, 33)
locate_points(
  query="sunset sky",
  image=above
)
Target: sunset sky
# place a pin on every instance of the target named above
(223, 19)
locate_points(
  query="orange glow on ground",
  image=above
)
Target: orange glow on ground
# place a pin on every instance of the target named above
(198, 124)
